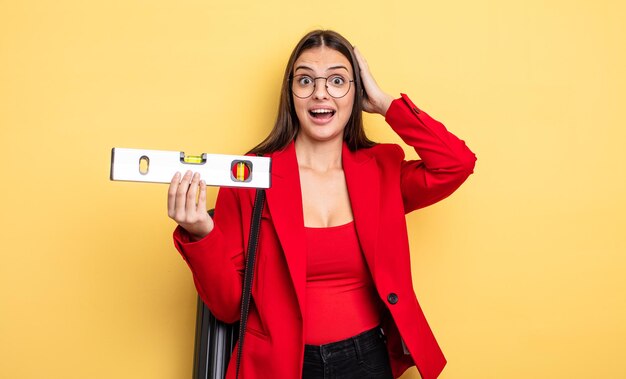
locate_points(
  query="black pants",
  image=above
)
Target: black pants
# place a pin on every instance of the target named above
(362, 356)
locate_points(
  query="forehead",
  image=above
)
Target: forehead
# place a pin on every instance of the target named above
(321, 59)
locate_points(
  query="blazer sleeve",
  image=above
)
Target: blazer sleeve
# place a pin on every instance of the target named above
(217, 260)
(445, 162)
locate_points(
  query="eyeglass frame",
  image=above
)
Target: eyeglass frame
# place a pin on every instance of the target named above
(291, 77)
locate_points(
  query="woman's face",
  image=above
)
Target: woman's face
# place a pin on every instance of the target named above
(322, 117)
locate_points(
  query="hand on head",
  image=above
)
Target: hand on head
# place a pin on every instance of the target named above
(374, 99)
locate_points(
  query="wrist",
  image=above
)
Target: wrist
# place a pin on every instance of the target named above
(196, 237)
(196, 234)
(385, 104)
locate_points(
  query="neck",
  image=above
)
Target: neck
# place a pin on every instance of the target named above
(319, 156)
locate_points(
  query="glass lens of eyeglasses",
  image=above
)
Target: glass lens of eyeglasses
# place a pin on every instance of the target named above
(337, 85)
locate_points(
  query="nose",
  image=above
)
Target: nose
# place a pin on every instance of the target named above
(320, 91)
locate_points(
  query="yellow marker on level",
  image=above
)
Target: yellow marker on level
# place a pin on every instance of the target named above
(193, 159)
(241, 171)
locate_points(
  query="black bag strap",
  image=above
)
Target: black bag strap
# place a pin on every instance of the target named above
(253, 242)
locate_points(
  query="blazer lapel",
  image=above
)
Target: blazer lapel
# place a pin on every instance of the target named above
(284, 201)
(363, 181)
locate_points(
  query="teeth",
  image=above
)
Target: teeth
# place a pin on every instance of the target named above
(322, 111)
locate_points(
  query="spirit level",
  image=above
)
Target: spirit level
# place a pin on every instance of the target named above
(159, 166)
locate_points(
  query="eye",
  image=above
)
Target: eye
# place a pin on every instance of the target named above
(336, 80)
(304, 80)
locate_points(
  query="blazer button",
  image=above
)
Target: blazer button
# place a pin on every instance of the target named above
(392, 298)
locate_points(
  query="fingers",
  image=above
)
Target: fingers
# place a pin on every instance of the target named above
(375, 99)
(171, 195)
(366, 76)
(360, 59)
(190, 202)
(202, 197)
(181, 197)
(369, 84)
(183, 208)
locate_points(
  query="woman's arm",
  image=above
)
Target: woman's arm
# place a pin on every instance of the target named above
(445, 162)
(445, 159)
(216, 259)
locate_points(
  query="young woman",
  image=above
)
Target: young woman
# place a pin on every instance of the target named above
(332, 294)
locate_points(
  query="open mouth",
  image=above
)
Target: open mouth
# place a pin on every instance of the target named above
(322, 114)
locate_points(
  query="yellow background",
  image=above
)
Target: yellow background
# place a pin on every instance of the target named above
(521, 272)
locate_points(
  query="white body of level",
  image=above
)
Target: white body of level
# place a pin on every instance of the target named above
(159, 166)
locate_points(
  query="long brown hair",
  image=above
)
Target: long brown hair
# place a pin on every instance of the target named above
(287, 125)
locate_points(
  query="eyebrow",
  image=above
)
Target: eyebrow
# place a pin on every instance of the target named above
(302, 67)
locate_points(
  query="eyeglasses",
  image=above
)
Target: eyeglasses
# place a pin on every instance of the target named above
(337, 85)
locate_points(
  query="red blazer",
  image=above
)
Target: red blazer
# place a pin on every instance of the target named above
(383, 187)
